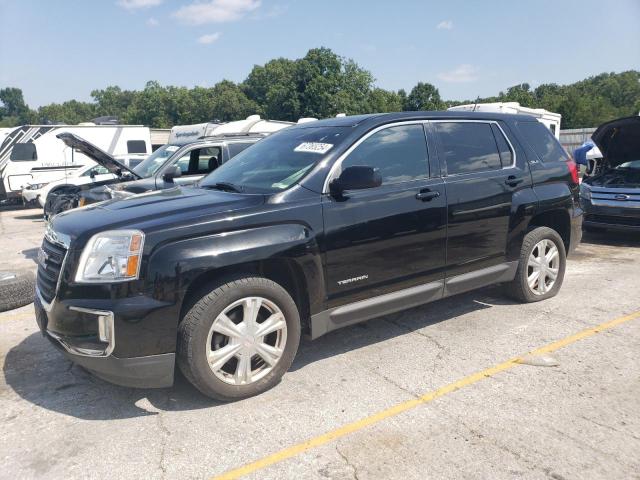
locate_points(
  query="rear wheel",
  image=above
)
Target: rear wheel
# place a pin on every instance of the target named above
(239, 339)
(541, 267)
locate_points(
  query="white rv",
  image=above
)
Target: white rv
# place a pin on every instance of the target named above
(32, 154)
(550, 119)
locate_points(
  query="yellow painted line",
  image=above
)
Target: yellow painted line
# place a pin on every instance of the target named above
(299, 448)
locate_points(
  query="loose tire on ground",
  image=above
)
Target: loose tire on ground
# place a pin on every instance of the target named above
(519, 288)
(194, 334)
(16, 289)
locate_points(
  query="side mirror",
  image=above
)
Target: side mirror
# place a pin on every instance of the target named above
(355, 178)
(172, 173)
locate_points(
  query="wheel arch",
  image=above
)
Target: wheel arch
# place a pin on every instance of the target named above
(556, 219)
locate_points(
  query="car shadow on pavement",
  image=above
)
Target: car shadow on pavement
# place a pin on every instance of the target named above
(31, 254)
(38, 373)
(36, 216)
(400, 323)
(612, 238)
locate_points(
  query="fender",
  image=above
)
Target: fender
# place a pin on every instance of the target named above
(172, 268)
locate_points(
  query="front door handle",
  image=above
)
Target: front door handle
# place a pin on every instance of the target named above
(427, 195)
(513, 181)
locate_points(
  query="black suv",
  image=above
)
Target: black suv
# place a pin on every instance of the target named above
(316, 227)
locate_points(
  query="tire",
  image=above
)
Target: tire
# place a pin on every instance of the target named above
(519, 288)
(16, 289)
(198, 338)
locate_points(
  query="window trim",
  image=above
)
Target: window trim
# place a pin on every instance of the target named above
(333, 172)
(337, 164)
(489, 122)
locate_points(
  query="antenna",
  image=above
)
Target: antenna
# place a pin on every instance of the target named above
(475, 105)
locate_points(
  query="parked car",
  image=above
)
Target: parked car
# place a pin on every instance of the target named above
(183, 162)
(89, 174)
(314, 228)
(611, 194)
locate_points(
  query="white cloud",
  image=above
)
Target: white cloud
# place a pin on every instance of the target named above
(445, 25)
(153, 22)
(138, 4)
(215, 11)
(461, 74)
(209, 38)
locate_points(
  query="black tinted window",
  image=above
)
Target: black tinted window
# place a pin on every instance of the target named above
(22, 152)
(398, 153)
(468, 147)
(506, 155)
(543, 142)
(136, 146)
(236, 148)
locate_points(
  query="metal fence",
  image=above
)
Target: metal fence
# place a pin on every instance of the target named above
(573, 138)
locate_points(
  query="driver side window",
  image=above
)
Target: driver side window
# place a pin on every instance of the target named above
(398, 153)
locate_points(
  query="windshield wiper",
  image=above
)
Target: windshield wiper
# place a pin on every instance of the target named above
(224, 186)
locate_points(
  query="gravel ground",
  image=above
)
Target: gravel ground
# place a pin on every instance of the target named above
(578, 419)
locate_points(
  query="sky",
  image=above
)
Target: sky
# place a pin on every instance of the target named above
(57, 50)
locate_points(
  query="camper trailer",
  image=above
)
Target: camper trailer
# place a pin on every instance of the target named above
(549, 119)
(32, 154)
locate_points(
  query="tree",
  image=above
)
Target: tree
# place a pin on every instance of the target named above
(71, 112)
(424, 96)
(14, 110)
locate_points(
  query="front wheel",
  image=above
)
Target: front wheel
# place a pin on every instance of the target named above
(541, 267)
(239, 339)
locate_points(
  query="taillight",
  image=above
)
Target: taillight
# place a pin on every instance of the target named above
(573, 170)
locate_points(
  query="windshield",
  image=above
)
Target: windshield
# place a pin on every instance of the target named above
(278, 161)
(632, 165)
(153, 162)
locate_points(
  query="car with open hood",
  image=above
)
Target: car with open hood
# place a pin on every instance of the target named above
(610, 196)
(190, 154)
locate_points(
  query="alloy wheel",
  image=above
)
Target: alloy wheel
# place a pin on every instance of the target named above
(246, 340)
(543, 267)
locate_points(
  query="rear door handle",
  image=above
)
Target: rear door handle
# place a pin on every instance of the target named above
(427, 195)
(513, 181)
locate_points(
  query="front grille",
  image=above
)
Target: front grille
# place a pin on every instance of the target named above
(613, 220)
(49, 268)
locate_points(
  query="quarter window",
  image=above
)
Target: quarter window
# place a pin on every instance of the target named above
(546, 146)
(468, 147)
(23, 152)
(398, 153)
(136, 146)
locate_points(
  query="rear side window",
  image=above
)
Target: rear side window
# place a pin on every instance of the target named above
(398, 153)
(546, 146)
(468, 147)
(23, 152)
(136, 146)
(236, 148)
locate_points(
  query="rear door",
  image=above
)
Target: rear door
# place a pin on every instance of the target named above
(383, 239)
(481, 175)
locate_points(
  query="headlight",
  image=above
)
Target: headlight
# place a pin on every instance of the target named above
(36, 186)
(111, 256)
(585, 191)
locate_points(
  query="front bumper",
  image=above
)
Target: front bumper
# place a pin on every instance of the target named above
(30, 195)
(619, 215)
(93, 350)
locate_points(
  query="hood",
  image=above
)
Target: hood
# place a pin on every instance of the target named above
(158, 210)
(619, 140)
(96, 154)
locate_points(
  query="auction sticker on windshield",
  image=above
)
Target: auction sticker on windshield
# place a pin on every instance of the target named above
(313, 147)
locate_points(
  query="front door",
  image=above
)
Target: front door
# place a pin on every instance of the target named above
(383, 239)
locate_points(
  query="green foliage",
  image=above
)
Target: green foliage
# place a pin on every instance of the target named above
(423, 97)
(321, 84)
